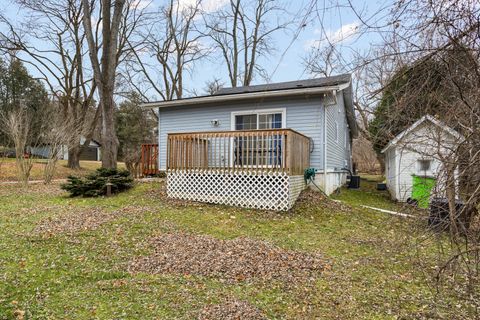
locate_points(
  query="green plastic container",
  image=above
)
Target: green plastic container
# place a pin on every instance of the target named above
(422, 189)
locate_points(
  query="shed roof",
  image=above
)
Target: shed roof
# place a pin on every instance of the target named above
(413, 127)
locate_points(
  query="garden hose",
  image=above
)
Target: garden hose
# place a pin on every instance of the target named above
(309, 175)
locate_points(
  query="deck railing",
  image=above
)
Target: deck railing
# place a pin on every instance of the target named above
(149, 160)
(268, 150)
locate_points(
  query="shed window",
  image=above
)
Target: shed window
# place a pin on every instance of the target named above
(424, 165)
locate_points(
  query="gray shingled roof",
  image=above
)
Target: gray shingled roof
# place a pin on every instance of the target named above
(310, 83)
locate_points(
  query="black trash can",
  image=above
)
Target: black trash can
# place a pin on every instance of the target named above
(439, 217)
(354, 182)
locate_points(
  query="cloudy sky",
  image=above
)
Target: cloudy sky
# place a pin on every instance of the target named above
(333, 20)
(339, 24)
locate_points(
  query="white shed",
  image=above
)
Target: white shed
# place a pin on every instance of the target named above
(418, 151)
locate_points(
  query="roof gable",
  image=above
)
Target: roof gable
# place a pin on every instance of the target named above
(425, 119)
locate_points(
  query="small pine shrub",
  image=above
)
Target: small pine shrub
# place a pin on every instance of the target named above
(95, 184)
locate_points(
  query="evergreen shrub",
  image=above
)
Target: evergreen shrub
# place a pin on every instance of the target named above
(95, 184)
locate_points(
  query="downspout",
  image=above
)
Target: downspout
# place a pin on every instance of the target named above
(325, 140)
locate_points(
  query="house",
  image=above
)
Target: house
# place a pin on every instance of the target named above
(415, 160)
(249, 146)
(92, 152)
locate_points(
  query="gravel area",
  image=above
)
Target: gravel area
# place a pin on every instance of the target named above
(241, 259)
(231, 309)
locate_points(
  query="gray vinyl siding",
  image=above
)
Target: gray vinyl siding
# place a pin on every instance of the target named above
(304, 115)
(338, 148)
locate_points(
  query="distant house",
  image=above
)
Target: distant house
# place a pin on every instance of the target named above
(414, 159)
(249, 146)
(92, 152)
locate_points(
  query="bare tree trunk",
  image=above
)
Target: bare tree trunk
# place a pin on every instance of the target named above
(74, 157)
(450, 191)
(104, 70)
(109, 138)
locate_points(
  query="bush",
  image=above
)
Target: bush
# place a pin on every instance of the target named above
(95, 184)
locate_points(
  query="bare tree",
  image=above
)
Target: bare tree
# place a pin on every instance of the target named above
(117, 21)
(104, 68)
(167, 48)
(16, 124)
(56, 136)
(242, 32)
(364, 156)
(428, 61)
(324, 60)
(213, 86)
(57, 26)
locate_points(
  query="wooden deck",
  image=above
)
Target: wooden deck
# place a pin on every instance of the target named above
(271, 150)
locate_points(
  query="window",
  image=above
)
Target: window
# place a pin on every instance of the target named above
(258, 121)
(246, 122)
(258, 151)
(270, 121)
(424, 166)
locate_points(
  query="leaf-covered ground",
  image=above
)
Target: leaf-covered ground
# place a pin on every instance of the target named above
(124, 258)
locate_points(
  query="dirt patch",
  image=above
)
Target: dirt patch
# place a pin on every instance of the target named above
(231, 260)
(231, 309)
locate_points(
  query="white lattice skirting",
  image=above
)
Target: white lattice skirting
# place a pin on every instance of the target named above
(272, 191)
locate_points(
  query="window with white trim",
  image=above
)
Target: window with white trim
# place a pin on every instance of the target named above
(264, 150)
(258, 121)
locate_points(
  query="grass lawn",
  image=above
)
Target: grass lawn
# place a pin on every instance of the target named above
(56, 262)
(8, 170)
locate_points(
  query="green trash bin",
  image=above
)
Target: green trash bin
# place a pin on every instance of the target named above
(422, 189)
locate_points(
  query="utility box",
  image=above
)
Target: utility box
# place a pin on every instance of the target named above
(354, 182)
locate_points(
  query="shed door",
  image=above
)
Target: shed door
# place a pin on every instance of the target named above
(89, 153)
